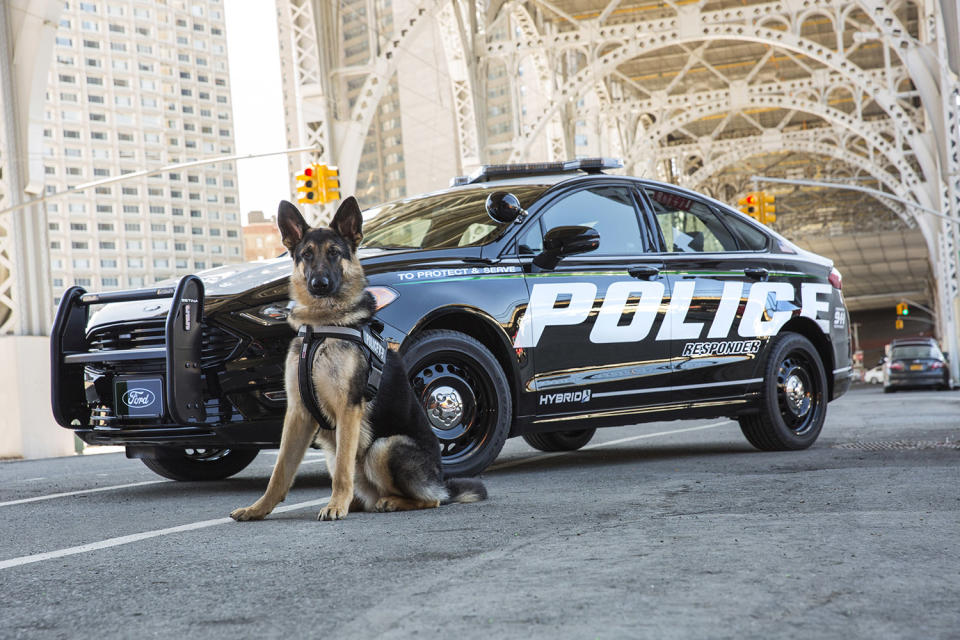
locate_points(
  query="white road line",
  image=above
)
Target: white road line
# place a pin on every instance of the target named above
(545, 456)
(204, 524)
(137, 537)
(80, 492)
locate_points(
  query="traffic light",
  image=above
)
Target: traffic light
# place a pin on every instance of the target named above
(903, 309)
(767, 209)
(899, 324)
(328, 179)
(320, 184)
(311, 194)
(750, 205)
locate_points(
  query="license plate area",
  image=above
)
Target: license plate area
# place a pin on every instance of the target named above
(916, 367)
(138, 397)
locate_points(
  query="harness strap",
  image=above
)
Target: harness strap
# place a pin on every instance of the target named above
(371, 344)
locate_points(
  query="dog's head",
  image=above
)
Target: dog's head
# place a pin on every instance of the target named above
(325, 263)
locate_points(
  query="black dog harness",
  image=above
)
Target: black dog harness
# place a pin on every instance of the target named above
(370, 343)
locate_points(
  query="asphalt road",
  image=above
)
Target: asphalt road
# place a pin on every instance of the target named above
(665, 530)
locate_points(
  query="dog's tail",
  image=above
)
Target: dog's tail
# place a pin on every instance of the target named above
(465, 490)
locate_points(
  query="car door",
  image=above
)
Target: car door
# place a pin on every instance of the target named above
(593, 318)
(718, 279)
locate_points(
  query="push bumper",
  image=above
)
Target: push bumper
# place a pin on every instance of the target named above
(174, 397)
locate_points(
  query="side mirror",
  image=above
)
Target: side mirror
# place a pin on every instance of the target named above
(503, 206)
(561, 242)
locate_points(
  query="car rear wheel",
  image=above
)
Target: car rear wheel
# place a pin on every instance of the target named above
(465, 395)
(560, 440)
(794, 398)
(200, 463)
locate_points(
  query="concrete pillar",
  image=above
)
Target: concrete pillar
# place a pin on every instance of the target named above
(27, 427)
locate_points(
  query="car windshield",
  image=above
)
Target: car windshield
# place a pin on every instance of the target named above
(455, 218)
(915, 351)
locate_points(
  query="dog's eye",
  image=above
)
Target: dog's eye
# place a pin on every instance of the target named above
(333, 253)
(306, 255)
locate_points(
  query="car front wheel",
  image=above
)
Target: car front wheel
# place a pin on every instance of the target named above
(794, 398)
(465, 394)
(200, 463)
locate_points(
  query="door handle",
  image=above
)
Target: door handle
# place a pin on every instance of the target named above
(644, 271)
(756, 273)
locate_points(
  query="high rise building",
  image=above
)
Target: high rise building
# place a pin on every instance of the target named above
(139, 85)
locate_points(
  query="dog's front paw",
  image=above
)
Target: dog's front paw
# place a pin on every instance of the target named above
(334, 511)
(248, 513)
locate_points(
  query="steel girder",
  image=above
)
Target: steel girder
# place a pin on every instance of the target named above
(902, 128)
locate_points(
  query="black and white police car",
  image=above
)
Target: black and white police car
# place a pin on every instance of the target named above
(541, 300)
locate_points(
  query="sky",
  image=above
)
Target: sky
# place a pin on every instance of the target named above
(255, 85)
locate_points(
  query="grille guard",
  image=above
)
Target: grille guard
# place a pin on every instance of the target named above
(70, 351)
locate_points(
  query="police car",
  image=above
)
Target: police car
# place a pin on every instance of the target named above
(541, 300)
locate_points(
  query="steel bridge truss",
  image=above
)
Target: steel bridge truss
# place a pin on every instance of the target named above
(684, 90)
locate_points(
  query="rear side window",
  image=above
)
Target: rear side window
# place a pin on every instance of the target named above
(750, 238)
(689, 226)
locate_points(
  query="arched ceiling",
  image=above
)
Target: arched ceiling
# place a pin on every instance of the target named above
(711, 93)
(705, 93)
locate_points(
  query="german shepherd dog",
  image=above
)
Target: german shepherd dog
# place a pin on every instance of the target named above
(382, 454)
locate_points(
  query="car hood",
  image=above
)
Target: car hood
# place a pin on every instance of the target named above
(222, 282)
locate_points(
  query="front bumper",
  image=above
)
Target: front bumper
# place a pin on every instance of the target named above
(158, 382)
(920, 379)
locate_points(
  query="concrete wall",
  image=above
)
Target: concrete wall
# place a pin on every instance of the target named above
(27, 427)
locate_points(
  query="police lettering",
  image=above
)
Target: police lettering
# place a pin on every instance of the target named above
(769, 305)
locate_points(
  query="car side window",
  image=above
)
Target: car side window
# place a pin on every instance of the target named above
(608, 209)
(751, 238)
(689, 226)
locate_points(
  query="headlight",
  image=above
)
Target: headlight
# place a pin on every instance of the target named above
(269, 314)
(383, 296)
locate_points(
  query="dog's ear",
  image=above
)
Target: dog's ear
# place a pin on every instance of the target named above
(291, 224)
(348, 222)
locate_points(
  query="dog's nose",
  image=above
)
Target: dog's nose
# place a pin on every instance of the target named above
(320, 283)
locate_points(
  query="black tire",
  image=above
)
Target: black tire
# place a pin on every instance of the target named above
(888, 389)
(476, 424)
(200, 463)
(794, 397)
(560, 440)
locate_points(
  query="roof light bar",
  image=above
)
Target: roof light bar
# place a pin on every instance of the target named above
(491, 172)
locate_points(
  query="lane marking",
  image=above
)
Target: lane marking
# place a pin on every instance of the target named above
(204, 524)
(545, 456)
(137, 537)
(80, 492)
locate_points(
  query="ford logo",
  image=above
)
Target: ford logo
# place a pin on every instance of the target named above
(138, 398)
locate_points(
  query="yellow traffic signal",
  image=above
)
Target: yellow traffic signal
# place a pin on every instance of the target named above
(320, 184)
(750, 205)
(903, 309)
(328, 179)
(767, 209)
(311, 194)
(899, 324)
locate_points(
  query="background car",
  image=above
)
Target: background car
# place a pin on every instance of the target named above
(540, 301)
(916, 363)
(874, 375)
